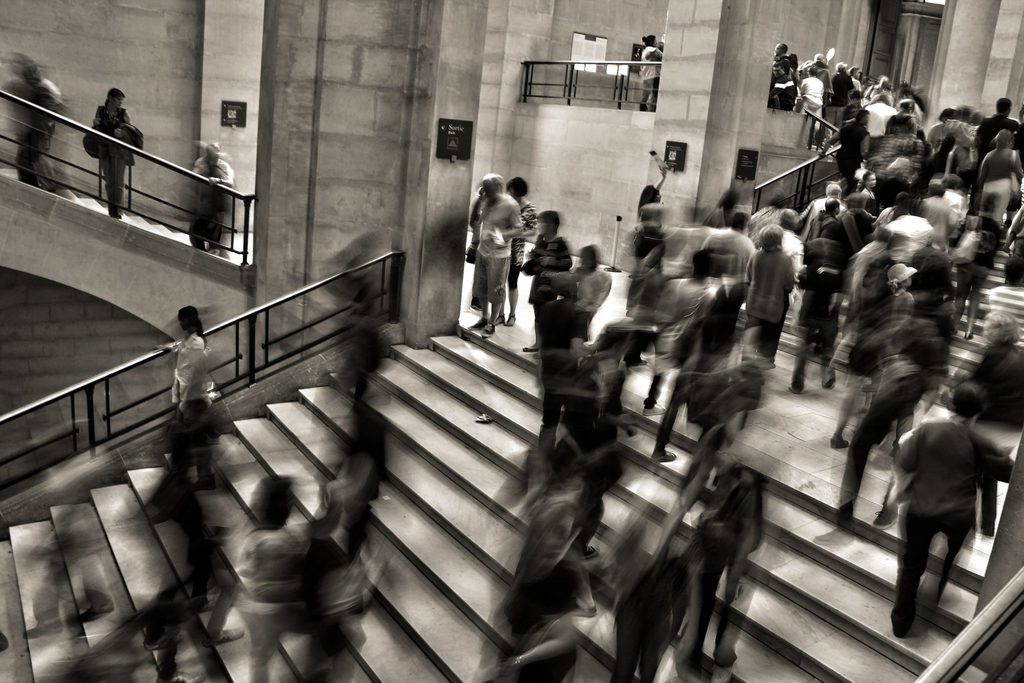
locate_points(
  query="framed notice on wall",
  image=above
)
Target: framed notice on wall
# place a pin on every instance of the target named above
(746, 164)
(588, 47)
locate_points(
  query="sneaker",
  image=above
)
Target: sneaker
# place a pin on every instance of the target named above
(886, 517)
(479, 324)
(226, 635)
(589, 553)
(988, 530)
(796, 389)
(530, 349)
(656, 410)
(838, 442)
(488, 330)
(828, 382)
(484, 419)
(664, 456)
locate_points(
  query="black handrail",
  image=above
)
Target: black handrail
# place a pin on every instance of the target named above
(984, 628)
(82, 128)
(804, 171)
(569, 86)
(235, 195)
(245, 349)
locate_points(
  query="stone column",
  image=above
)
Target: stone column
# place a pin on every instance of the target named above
(684, 98)
(1006, 61)
(738, 107)
(231, 57)
(437, 191)
(967, 27)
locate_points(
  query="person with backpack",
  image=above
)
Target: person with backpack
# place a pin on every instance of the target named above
(730, 528)
(942, 461)
(821, 279)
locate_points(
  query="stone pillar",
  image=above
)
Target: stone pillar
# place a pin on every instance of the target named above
(231, 56)
(684, 98)
(967, 26)
(437, 191)
(1006, 61)
(738, 107)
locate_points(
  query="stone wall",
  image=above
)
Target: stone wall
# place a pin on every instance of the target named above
(150, 49)
(54, 336)
(588, 164)
(232, 44)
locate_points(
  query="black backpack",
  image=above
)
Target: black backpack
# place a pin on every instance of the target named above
(733, 511)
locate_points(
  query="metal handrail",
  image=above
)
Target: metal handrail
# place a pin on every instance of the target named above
(598, 62)
(822, 121)
(979, 632)
(81, 127)
(246, 366)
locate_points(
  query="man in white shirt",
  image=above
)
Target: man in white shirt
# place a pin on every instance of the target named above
(879, 111)
(909, 233)
(499, 220)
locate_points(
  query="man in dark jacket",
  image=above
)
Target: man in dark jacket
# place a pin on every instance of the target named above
(942, 461)
(821, 279)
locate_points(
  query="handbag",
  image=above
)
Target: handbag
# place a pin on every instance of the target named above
(967, 248)
(91, 145)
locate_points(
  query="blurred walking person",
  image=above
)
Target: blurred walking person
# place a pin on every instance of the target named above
(214, 203)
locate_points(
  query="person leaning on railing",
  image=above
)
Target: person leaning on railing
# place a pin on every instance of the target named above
(111, 119)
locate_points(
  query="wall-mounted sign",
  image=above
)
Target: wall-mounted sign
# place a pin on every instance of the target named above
(454, 139)
(637, 55)
(232, 114)
(675, 155)
(746, 164)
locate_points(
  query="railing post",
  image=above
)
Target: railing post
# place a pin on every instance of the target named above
(395, 288)
(526, 81)
(129, 207)
(251, 320)
(245, 230)
(90, 414)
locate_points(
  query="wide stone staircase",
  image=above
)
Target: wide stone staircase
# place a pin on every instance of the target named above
(448, 528)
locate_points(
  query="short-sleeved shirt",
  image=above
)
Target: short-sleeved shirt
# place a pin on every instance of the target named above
(497, 217)
(850, 137)
(649, 71)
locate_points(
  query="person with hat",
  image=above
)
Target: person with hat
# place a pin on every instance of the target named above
(498, 221)
(111, 118)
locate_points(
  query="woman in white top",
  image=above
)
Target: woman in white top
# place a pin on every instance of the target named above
(192, 379)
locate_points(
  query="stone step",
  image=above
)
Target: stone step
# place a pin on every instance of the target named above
(146, 571)
(383, 635)
(91, 568)
(806, 478)
(234, 655)
(850, 555)
(867, 625)
(15, 660)
(446, 497)
(54, 634)
(451, 640)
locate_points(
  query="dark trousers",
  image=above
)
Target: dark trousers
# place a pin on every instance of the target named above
(919, 532)
(638, 638)
(638, 343)
(769, 332)
(668, 420)
(163, 619)
(894, 401)
(708, 584)
(848, 167)
(989, 495)
(815, 331)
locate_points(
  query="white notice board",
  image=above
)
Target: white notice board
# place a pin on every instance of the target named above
(587, 47)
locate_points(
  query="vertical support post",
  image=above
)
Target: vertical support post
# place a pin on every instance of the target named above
(90, 414)
(129, 207)
(74, 426)
(526, 81)
(245, 230)
(251, 320)
(238, 351)
(395, 288)
(106, 403)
